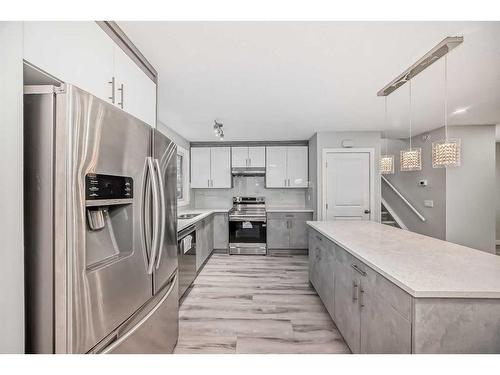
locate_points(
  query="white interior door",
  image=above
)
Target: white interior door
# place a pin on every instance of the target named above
(239, 156)
(200, 167)
(297, 166)
(347, 188)
(276, 167)
(220, 167)
(257, 156)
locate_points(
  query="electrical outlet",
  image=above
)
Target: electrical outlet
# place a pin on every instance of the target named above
(429, 203)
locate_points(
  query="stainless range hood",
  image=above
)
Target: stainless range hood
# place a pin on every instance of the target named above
(248, 171)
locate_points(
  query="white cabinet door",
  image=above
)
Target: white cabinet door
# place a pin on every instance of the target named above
(257, 156)
(220, 167)
(276, 166)
(297, 166)
(135, 91)
(200, 167)
(239, 156)
(80, 53)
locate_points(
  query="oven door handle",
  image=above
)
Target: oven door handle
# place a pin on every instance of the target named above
(248, 218)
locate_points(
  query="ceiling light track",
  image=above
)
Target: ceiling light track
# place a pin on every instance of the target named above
(440, 50)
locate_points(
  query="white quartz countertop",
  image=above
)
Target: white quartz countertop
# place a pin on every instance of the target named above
(288, 209)
(204, 212)
(422, 266)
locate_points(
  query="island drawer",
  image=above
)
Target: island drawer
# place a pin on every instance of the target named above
(376, 284)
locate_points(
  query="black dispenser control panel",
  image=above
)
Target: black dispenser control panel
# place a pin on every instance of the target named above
(102, 186)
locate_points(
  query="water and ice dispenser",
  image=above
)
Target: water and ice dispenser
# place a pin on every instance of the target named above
(109, 211)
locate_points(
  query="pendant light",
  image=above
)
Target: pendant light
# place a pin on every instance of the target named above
(411, 159)
(386, 160)
(446, 153)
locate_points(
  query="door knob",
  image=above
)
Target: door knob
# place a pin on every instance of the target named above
(367, 211)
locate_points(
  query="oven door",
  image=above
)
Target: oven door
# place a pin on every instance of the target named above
(247, 237)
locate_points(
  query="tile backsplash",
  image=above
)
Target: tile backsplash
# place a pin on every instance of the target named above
(248, 186)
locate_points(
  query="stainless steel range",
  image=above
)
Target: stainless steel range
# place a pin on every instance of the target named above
(247, 226)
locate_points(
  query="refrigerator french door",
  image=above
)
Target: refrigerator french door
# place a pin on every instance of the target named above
(100, 276)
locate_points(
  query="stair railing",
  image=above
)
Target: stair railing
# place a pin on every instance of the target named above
(415, 211)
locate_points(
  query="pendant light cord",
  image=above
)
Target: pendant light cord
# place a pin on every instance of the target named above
(410, 110)
(385, 121)
(446, 97)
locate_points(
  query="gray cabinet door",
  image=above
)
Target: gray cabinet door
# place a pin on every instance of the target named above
(298, 231)
(203, 246)
(326, 277)
(321, 269)
(383, 329)
(210, 235)
(278, 234)
(385, 316)
(346, 308)
(221, 231)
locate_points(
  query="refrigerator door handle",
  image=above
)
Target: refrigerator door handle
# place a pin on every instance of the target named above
(156, 213)
(163, 212)
(121, 338)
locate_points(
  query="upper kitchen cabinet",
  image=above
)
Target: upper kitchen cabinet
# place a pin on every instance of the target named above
(211, 167)
(248, 157)
(286, 166)
(82, 54)
(135, 91)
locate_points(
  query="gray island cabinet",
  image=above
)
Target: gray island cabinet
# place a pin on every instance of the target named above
(394, 291)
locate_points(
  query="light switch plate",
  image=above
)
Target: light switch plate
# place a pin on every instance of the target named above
(429, 203)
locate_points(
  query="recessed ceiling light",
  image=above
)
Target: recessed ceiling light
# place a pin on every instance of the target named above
(460, 110)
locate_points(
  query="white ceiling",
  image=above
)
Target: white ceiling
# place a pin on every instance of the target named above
(288, 80)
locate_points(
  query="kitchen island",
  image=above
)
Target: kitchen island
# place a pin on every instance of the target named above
(394, 291)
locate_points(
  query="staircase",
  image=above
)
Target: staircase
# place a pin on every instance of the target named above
(387, 218)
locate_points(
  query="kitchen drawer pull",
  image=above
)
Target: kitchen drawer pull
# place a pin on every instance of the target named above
(361, 298)
(354, 291)
(358, 270)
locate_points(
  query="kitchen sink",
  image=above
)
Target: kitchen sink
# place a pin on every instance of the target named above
(187, 216)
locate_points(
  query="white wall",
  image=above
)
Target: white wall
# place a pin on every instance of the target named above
(178, 139)
(11, 189)
(498, 190)
(471, 189)
(362, 139)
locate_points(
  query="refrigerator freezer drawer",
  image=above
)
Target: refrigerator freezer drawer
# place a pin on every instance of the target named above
(154, 329)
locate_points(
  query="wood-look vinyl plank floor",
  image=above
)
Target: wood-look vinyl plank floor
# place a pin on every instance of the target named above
(256, 304)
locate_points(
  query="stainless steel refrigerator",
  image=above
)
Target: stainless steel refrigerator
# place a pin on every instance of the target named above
(100, 227)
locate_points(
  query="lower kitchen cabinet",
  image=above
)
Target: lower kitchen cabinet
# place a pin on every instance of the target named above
(372, 314)
(221, 230)
(287, 230)
(321, 269)
(204, 240)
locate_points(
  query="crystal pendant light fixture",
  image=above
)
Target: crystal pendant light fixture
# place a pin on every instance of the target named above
(446, 153)
(411, 159)
(386, 160)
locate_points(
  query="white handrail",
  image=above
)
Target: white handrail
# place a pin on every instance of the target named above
(403, 199)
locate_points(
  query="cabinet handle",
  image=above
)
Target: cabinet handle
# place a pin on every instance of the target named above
(288, 182)
(319, 238)
(361, 298)
(354, 291)
(249, 162)
(208, 182)
(358, 270)
(121, 95)
(112, 83)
